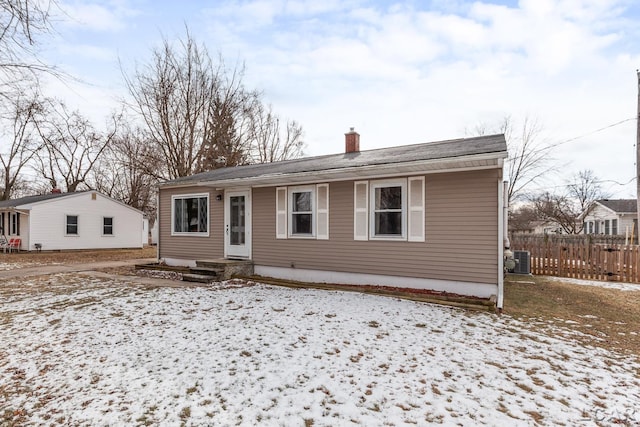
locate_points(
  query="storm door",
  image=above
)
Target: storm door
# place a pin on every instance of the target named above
(237, 226)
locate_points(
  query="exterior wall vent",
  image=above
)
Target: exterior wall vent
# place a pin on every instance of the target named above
(523, 262)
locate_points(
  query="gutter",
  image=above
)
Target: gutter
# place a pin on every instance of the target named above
(358, 172)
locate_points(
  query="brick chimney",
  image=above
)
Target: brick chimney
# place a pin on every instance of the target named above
(352, 142)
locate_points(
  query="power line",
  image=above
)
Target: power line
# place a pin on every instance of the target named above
(603, 181)
(595, 131)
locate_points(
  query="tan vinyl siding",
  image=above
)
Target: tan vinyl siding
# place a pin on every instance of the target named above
(191, 247)
(461, 228)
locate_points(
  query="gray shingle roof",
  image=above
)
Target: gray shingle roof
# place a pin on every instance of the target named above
(620, 205)
(31, 199)
(448, 149)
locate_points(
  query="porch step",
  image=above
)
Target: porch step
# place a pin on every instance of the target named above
(225, 268)
(207, 271)
(221, 263)
(199, 278)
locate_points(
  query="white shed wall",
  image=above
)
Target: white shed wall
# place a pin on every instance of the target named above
(48, 223)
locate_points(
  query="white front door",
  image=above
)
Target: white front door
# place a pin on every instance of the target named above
(237, 224)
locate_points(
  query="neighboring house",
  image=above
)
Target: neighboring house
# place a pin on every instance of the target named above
(425, 216)
(539, 227)
(611, 217)
(81, 220)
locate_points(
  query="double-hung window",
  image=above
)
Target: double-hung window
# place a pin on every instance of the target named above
(107, 226)
(302, 212)
(72, 225)
(301, 218)
(390, 209)
(190, 214)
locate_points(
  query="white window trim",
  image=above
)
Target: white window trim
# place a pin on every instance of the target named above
(301, 189)
(66, 223)
(373, 185)
(190, 196)
(112, 227)
(13, 220)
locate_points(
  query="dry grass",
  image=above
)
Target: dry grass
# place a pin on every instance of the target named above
(610, 318)
(76, 257)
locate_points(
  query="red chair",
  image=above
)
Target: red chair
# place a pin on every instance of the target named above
(14, 244)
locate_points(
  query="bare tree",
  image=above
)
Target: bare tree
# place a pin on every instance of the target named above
(585, 188)
(270, 142)
(21, 22)
(564, 208)
(122, 172)
(559, 209)
(231, 116)
(72, 146)
(199, 113)
(172, 95)
(19, 141)
(523, 218)
(529, 154)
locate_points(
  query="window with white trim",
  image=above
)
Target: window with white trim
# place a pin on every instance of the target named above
(72, 225)
(388, 209)
(107, 226)
(190, 214)
(301, 211)
(14, 224)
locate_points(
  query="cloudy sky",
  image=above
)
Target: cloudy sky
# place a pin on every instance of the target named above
(399, 72)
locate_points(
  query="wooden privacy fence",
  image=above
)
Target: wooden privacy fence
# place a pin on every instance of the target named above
(618, 263)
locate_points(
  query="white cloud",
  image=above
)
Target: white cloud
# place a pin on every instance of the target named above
(97, 16)
(405, 73)
(89, 52)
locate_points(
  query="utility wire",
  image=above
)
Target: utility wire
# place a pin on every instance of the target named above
(594, 131)
(603, 181)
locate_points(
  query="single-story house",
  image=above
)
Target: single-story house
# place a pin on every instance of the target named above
(80, 220)
(426, 216)
(611, 217)
(538, 227)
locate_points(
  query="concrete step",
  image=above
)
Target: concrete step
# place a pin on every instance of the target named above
(221, 263)
(207, 271)
(199, 278)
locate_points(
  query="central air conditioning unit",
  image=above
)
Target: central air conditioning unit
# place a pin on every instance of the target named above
(523, 262)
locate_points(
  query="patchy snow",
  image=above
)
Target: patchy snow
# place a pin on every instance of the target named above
(610, 285)
(5, 266)
(101, 352)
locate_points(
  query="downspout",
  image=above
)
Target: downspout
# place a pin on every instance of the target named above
(501, 236)
(157, 225)
(505, 214)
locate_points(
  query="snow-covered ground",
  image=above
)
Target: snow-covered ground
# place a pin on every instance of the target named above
(94, 351)
(5, 266)
(602, 284)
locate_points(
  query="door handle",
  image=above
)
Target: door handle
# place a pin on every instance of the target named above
(227, 229)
